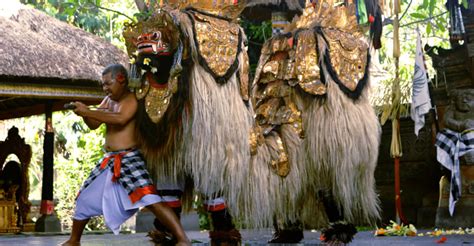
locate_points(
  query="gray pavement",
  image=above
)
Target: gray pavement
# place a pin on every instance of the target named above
(250, 237)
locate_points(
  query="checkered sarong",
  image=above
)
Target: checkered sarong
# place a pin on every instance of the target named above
(451, 145)
(129, 170)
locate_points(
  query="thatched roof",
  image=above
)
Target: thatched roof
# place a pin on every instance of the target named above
(42, 58)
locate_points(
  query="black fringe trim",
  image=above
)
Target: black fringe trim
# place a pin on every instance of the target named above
(232, 69)
(327, 60)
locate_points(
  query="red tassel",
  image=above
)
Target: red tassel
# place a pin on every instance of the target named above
(371, 18)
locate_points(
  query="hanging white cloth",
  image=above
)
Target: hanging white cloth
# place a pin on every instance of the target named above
(421, 101)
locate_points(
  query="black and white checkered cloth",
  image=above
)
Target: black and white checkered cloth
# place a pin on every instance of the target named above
(133, 174)
(451, 145)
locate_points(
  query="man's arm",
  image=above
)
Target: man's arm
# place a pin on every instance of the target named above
(124, 112)
(94, 124)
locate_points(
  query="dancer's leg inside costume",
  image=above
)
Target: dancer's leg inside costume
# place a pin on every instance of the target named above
(161, 234)
(288, 232)
(338, 230)
(223, 229)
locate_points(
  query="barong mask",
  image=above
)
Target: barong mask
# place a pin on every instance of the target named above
(155, 61)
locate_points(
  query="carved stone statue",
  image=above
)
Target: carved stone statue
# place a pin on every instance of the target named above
(14, 144)
(460, 114)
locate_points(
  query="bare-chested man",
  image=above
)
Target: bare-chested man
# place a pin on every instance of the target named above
(119, 185)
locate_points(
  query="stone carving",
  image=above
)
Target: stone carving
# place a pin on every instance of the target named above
(460, 114)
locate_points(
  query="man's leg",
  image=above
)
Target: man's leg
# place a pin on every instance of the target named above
(88, 205)
(76, 233)
(168, 218)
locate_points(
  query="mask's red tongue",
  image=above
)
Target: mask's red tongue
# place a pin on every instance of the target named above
(153, 82)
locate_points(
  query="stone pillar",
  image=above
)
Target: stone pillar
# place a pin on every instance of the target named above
(48, 222)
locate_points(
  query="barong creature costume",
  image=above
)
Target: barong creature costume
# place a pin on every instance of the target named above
(321, 135)
(116, 188)
(313, 144)
(193, 114)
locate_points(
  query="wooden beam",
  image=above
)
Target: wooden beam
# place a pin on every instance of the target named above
(10, 89)
(38, 109)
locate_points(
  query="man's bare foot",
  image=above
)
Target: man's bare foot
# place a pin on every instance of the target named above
(70, 243)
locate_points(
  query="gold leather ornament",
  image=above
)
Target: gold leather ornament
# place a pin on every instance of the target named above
(141, 92)
(306, 68)
(229, 9)
(255, 139)
(244, 76)
(348, 56)
(280, 163)
(218, 42)
(157, 101)
(329, 14)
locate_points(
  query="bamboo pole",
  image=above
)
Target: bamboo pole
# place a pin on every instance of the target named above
(396, 146)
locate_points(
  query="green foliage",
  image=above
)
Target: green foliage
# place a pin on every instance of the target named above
(259, 32)
(84, 148)
(104, 18)
(204, 218)
(77, 150)
(431, 19)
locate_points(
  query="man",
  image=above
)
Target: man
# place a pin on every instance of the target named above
(120, 179)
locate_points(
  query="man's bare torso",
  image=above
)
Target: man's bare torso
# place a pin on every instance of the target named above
(119, 137)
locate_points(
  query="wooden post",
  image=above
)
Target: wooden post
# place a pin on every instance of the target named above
(47, 204)
(48, 222)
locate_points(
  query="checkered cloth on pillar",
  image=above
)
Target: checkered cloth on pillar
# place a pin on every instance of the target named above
(129, 170)
(450, 146)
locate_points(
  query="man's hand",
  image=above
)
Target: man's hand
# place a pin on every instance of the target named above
(80, 109)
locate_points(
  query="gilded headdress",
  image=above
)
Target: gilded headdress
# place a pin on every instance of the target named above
(229, 9)
(329, 14)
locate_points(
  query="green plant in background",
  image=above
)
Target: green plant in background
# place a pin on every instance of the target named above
(431, 18)
(104, 18)
(257, 34)
(84, 150)
(76, 151)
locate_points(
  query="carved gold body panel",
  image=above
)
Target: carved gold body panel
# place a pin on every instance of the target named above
(306, 68)
(244, 77)
(348, 56)
(218, 42)
(157, 101)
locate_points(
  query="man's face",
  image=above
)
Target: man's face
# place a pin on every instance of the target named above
(112, 88)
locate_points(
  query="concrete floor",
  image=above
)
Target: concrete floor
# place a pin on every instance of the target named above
(250, 237)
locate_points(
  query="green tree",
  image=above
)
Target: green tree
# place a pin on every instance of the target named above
(431, 19)
(104, 18)
(76, 151)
